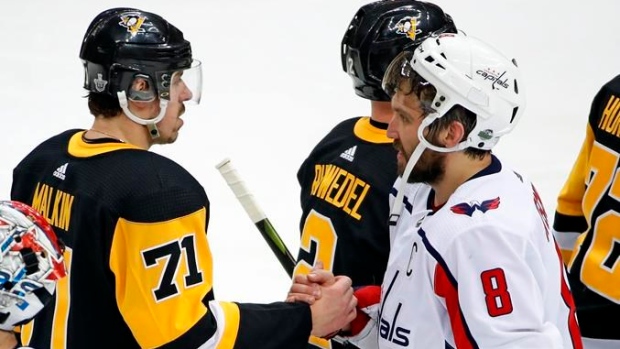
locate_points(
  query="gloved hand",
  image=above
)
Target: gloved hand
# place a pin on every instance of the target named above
(363, 330)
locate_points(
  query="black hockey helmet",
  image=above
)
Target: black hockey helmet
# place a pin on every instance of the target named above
(124, 43)
(381, 30)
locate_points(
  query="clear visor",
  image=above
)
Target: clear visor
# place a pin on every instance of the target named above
(186, 85)
(400, 76)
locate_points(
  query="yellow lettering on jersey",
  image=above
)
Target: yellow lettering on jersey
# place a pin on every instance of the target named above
(614, 126)
(60, 215)
(345, 190)
(335, 184)
(318, 175)
(339, 188)
(40, 200)
(328, 176)
(604, 121)
(610, 120)
(356, 199)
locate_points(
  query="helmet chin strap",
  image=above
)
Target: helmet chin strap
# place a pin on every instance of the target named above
(425, 123)
(149, 123)
(413, 159)
(397, 208)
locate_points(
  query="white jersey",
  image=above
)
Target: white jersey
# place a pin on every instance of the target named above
(482, 271)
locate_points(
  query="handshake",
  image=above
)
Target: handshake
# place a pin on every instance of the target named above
(337, 308)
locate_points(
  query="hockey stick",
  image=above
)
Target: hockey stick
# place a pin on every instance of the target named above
(262, 223)
(256, 214)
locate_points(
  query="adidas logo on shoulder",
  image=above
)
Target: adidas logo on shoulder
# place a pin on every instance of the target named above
(349, 154)
(61, 171)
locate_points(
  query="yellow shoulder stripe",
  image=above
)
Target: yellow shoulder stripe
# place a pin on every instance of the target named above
(81, 149)
(369, 133)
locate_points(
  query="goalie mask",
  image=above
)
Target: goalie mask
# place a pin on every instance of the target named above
(31, 263)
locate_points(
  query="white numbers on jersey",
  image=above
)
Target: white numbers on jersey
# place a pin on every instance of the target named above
(599, 270)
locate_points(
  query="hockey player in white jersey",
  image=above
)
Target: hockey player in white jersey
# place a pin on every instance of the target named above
(473, 263)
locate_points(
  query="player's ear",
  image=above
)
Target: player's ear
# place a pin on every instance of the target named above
(140, 84)
(453, 134)
(142, 89)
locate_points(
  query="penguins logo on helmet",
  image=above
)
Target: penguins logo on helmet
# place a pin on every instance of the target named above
(133, 22)
(408, 26)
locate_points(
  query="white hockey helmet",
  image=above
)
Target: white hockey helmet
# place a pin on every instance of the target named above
(454, 69)
(31, 263)
(467, 72)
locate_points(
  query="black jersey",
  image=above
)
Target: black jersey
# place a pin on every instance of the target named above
(587, 219)
(139, 265)
(345, 184)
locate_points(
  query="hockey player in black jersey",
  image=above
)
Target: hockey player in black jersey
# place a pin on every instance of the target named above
(135, 223)
(587, 222)
(346, 179)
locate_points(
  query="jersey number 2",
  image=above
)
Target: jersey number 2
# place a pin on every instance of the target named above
(319, 233)
(318, 236)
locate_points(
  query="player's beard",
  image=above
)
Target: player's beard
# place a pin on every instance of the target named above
(429, 169)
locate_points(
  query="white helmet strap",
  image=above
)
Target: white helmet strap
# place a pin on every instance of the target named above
(413, 159)
(467, 142)
(398, 202)
(149, 123)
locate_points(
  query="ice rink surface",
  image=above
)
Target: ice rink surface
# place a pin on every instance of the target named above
(273, 86)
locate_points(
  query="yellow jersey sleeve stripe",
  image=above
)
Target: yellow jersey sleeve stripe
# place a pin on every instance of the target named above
(231, 327)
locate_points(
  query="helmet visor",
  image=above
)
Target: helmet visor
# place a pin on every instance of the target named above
(401, 76)
(184, 85)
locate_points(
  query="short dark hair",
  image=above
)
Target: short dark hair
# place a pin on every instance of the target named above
(415, 85)
(101, 104)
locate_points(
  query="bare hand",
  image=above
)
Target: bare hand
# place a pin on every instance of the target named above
(335, 308)
(303, 290)
(306, 288)
(7, 340)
